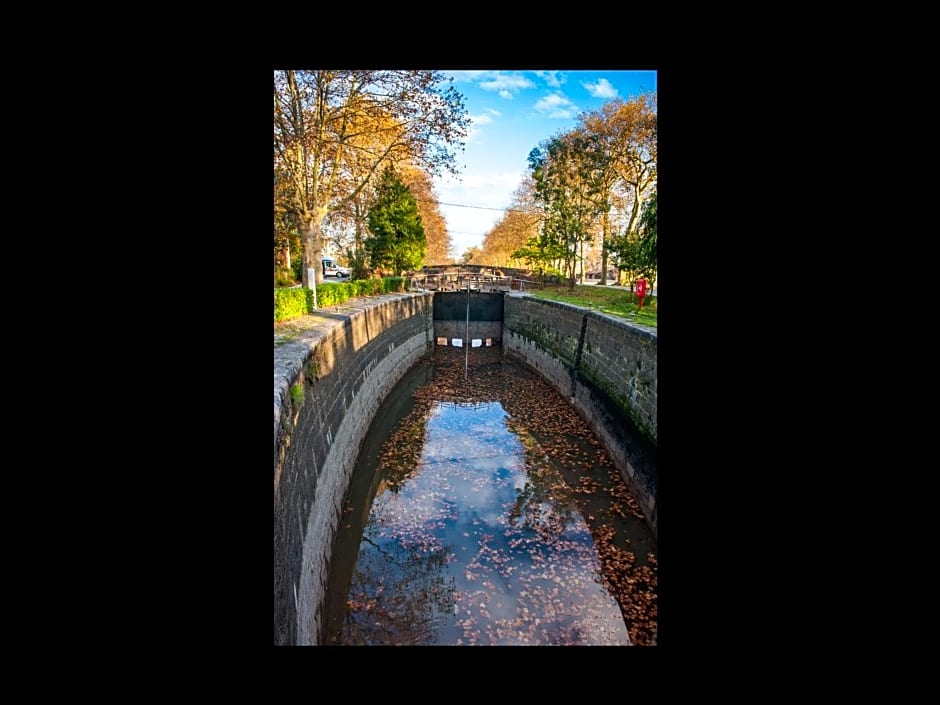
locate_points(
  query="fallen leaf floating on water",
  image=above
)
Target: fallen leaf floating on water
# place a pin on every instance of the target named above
(563, 478)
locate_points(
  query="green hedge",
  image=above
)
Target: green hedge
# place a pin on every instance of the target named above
(291, 303)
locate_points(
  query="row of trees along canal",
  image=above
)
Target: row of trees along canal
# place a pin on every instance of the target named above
(355, 152)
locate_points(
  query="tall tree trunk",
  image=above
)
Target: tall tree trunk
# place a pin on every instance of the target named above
(312, 238)
(571, 256)
(635, 210)
(603, 281)
(313, 247)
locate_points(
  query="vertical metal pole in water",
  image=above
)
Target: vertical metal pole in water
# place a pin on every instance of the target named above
(466, 360)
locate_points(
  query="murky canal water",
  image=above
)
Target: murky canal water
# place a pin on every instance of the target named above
(483, 511)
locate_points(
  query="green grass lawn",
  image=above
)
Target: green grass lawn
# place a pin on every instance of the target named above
(616, 302)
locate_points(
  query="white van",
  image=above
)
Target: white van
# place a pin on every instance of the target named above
(332, 269)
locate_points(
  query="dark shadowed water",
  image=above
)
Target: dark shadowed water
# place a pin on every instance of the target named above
(483, 511)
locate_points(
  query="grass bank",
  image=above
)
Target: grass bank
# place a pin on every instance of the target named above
(616, 302)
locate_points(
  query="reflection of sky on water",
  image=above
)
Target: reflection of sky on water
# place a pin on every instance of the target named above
(513, 586)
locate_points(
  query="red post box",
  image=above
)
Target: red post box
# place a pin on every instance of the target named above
(641, 291)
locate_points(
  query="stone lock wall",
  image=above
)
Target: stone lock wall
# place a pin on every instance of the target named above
(340, 372)
(607, 367)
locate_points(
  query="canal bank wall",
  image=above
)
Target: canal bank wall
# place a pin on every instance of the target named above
(328, 384)
(330, 380)
(607, 367)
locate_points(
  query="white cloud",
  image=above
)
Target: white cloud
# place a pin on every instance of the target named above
(468, 76)
(505, 83)
(478, 121)
(602, 89)
(485, 118)
(557, 105)
(554, 79)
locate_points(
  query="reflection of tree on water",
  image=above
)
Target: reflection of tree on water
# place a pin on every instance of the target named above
(398, 595)
(400, 459)
(519, 592)
(559, 485)
(403, 451)
(544, 505)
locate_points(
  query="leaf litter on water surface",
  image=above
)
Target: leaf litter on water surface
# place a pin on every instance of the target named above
(560, 480)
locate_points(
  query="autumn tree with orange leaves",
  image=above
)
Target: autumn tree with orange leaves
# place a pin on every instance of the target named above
(439, 241)
(628, 131)
(346, 228)
(622, 182)
(335, 130)
(519, 224)
(567, 171)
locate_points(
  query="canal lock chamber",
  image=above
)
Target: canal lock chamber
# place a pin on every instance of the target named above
(349, 370)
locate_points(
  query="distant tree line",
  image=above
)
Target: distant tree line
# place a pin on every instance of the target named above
(594, 185)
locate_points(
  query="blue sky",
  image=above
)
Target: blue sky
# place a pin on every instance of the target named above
(512, 112)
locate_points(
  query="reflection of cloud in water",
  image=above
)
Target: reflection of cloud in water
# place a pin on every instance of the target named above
(512, 587)
(493, 464)
(413, 506)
